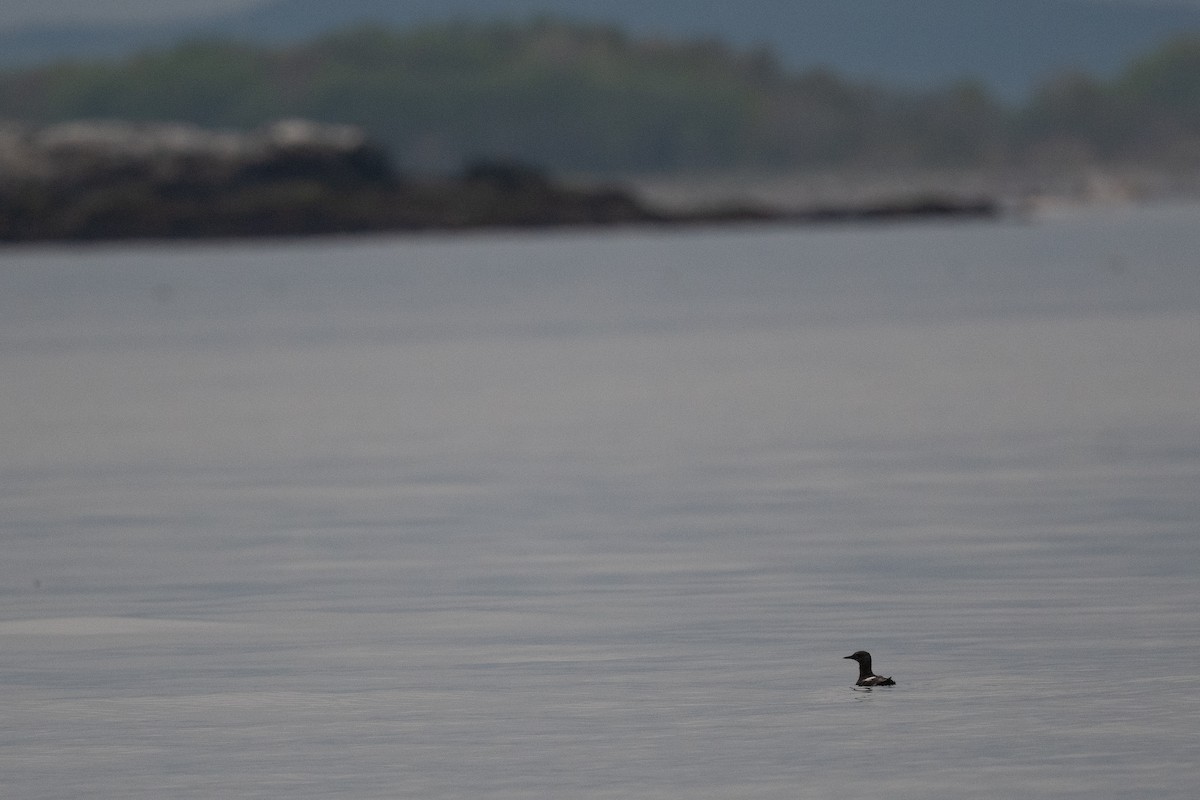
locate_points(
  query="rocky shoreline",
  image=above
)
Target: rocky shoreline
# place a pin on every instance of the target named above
(94, 181)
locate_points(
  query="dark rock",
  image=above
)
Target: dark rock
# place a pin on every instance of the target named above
(508, 176)
(113, 180)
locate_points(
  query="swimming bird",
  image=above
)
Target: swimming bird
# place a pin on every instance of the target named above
(865, 676)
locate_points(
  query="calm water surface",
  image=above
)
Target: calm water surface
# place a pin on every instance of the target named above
(597, 515)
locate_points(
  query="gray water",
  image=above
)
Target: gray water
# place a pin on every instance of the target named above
(598, 514)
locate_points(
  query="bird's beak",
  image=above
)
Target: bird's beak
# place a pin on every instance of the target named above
(847, 656)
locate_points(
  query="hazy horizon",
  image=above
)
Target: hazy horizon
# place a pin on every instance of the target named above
(20, 13)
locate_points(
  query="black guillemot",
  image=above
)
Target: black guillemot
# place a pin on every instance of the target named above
(865, 676)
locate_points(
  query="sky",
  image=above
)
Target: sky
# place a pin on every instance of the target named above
(15, 13)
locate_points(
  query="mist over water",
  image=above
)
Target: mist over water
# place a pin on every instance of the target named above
(593, 515)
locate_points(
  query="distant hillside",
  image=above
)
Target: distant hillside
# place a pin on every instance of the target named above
(593, 99)
(1008, 45)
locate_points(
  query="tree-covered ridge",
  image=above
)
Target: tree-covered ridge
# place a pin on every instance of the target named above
(591, 99)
